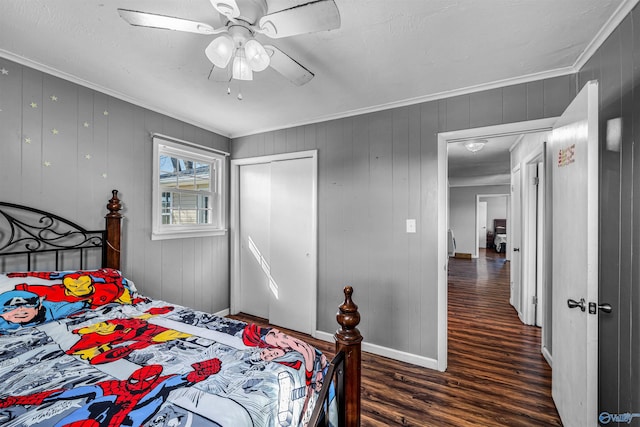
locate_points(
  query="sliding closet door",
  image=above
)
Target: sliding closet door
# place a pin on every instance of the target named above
(292, 249)
(255, 195)
(276, 240)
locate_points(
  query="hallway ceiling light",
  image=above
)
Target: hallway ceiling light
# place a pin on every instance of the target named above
(475, 145)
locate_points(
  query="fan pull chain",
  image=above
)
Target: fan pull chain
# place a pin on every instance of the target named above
(239, 96)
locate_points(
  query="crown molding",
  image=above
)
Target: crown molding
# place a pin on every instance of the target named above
(421, 99)
(625, 7)
(110, 92)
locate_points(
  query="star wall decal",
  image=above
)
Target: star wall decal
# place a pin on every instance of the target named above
(27, 140)
(106, 113)
(85, 124)
(4, 71)
(47, 163)
(53, 98)
(55, 131)
(87, 156)
(34, 105)
(104, 175)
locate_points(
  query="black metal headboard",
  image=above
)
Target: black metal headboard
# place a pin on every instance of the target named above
(29, 233)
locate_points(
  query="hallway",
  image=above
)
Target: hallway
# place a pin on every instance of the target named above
(491, 352)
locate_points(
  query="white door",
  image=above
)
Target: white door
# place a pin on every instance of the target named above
(255, 205)
(573, 159)
(277, 254)
(514, 237)
(540, 297)
(482, 225)
(292, 252)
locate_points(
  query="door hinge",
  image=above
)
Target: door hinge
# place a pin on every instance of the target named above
(535, 180)
(534, 300)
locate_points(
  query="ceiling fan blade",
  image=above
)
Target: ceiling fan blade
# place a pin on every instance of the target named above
(152, 20)
(287, 66)
(310, 17)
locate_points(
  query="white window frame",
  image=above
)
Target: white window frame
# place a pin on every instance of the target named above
(169, 146)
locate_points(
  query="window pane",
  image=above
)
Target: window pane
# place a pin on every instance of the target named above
(203, 176)
(166, 164)
(175, 206)
(187, 216)
(167, 171)
(204, 205)
(203, 201)
(185, 181)
(205, 216)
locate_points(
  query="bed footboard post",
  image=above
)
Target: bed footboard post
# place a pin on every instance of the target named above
(348, 340)
(113, 230)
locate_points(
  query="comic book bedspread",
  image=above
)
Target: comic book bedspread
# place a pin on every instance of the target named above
(151, 363)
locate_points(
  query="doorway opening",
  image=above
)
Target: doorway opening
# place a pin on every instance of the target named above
(449, 196)
(492, 210)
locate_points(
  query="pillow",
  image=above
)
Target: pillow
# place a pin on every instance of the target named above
(36, 297)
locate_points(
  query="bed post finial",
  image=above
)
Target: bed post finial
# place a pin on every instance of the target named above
(113, 231)
(348, 339)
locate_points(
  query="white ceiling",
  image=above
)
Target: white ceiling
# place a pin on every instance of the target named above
(489, 166)
(385, 54)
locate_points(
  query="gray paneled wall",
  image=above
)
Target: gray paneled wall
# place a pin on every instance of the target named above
(616, 65)
(377, 170)
(65, 147)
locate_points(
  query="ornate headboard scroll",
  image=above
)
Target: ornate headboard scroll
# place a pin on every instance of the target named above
(26, 232)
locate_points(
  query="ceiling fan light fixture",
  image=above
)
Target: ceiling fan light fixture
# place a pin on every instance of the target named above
(475, 146)
(241, 69)
(256, 55)
(220, 50)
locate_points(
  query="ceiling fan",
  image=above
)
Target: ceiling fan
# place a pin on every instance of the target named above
(235, 52)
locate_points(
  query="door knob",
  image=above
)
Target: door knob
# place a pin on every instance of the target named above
(605, 307)
(573, 304)
(593, 308)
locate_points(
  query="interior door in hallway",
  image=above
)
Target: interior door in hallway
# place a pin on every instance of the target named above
(514, 240)
(573, 160)
(482, 225)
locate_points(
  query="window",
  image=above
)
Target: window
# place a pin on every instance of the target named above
(188, 191)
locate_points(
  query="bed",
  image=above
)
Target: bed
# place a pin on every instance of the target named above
(82, 347)
(500, 235)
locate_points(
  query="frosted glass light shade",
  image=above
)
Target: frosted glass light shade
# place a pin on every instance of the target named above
(256, 55)
(474, 146)
(241, 69)
(220, 50)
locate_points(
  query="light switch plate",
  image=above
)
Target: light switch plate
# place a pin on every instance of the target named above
(411, 226)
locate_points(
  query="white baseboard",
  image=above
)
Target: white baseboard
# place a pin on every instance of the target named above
(547, 356)
(402, 356)
(222, 313)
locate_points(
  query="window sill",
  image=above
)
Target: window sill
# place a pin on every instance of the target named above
(187, 234)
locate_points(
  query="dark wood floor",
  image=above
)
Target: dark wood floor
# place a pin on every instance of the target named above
(496, 375)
